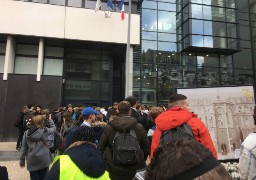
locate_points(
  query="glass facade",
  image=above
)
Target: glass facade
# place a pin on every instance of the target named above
(2, 56)
(192, 44)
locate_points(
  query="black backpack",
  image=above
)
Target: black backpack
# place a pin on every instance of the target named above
(126, 148)
(182, 131)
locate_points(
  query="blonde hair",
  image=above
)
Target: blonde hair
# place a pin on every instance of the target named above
(38, 121)
(154, 112)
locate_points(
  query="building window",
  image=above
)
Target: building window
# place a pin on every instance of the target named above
(2, 56)
(26, 59)
(53, 61)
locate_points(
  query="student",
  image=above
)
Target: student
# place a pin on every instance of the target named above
(185, 159)
(35, 148)
(81, 160)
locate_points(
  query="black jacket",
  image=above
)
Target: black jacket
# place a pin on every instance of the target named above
(87, 158)
(123, 123)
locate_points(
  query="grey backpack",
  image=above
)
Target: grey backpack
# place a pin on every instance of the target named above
(126, 148)
(182, 131)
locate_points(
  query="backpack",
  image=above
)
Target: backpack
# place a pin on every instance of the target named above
(126, 148)
(182, 131)
(27, 120)
(55, 142)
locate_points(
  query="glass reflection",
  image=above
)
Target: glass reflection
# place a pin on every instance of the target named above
(167, 21)
(149, 20)
(149, 53)
(169, 76)
(208, 76)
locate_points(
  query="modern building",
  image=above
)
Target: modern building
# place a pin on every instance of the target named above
(56, 52)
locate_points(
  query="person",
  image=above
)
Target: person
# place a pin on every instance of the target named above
(247, 160)
(177, 115)
(19, 125)
(88, 117)
(38, 110)
(185, 159)
(81, 160)
(35, 148)
(112, 113)
(123, 123)
(68, 122)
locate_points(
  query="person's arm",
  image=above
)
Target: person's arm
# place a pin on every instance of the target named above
(244, 163)
(52, 127)
(54, 172)
(24, 150)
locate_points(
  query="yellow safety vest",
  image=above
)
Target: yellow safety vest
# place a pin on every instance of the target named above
(69, 170)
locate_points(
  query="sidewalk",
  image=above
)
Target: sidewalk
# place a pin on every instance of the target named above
(9, 157)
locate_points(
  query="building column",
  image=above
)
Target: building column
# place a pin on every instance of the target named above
(129, 74)
(40, 60)
(9, 57)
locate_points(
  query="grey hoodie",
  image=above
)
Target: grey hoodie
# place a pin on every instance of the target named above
(35, 149)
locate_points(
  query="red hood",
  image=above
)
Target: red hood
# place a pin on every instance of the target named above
(172, 118)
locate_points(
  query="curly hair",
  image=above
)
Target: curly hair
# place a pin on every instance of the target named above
(154, 112)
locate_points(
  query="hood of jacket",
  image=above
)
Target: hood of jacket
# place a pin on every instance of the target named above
(123, 123)
(173, 118)
(88, 159)
(35, 134)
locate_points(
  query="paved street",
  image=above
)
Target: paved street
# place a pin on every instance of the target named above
(9, 157)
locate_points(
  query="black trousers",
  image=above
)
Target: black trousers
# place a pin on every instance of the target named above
(19, 141)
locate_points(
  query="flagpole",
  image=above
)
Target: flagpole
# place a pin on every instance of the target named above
(128, 51)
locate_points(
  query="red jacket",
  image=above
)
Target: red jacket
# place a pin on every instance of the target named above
(174, 118)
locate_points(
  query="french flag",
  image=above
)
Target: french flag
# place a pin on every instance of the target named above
(121, 8)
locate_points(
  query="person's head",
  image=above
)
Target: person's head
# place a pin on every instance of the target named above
(45, 113)
(132, 100)
(89, 114)
(84, 133)
(24, 109)
(38, 108)
(99, 118)
(70, 108)
(115, 105)
(30, 106)
(124, 107)
(154, 112)
(178, 100)
(38, 121)
(185, 159)
(112, 112)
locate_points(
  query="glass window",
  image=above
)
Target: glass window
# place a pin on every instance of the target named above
(209, 60)
(167, 37)
(75, 3)
(149, 50)
(167, 46)
(219, 29)
(57, 2)
(207, 12)
(245, 44)
(244, 33)
(230, 3)
(189, 76)
(197, 41)
(208, 77)
(231, 15)
(242, 15)
(197, 1)
(208, 41)
(189, 59)
(243, 77)
(149, 4)
(136, 93)
(40, 1)
(166, 6)
(2, 48)
(169, 76)
(208, 28)
(90, 4)
(243, 59)
(105, 70)
(167, 21)
(149, 75)
(54, 51)
(226, 76)
(104, 91)
(226, 61)
(148, 95)
(196, 11)
(164, 94)
(233, 43)
(219, 42)
(231, 30)
(25, 65)
(53, 67)
(136, 75)
(197, 26)
(243, 6)
(149, 20)
(218, 14)
(2, 57)
(149, 35)
(26, 49)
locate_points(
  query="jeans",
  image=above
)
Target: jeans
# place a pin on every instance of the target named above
(19, 141)
(39, 174)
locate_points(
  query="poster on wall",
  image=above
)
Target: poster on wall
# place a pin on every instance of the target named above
(228, 114)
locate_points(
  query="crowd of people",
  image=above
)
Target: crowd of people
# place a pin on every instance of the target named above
(116, 142)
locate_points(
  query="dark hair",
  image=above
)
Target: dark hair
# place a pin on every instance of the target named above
(84, 133)
(176, 100)
(132, 100)
(184, 159)
(69, 120)
(124, 107)
(112, 111)
(30, 106)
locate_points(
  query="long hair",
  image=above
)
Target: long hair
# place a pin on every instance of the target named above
(38, 121)
(69, 120)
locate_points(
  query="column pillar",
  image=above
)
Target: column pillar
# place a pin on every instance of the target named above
(9, 57)
(40, 60)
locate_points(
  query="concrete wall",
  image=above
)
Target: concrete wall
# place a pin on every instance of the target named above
(44, 20)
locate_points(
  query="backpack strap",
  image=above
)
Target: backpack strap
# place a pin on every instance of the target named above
(132, 133)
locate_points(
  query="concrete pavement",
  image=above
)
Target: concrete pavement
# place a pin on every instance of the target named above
(9, 157)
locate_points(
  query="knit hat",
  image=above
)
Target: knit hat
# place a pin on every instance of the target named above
(84, 133)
